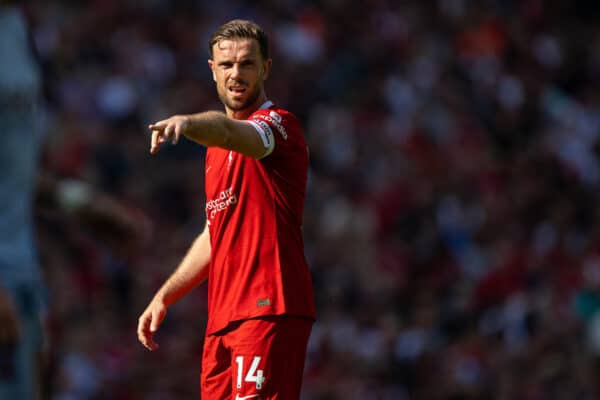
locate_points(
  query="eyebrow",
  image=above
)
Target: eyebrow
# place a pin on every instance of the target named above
(244, 60)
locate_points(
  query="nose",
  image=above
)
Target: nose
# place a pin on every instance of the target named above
(235, 70)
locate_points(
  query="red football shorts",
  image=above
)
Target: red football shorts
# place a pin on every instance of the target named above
(261, 359)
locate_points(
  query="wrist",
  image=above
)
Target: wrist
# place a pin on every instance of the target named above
(187, 125)
(161, 298)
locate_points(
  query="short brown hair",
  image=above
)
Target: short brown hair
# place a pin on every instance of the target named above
(240, 29)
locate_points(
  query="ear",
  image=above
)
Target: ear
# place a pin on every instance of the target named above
(267, 68)
(211, 65)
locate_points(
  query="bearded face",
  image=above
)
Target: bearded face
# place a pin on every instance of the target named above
(239, 72)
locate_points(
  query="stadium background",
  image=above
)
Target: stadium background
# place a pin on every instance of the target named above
(451, 221)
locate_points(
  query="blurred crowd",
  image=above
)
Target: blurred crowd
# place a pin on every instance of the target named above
(451, 223)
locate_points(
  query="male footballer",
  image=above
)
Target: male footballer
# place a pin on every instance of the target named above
(260, 297)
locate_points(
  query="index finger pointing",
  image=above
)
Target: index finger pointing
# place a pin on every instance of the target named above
(154, 141)
(160, 125)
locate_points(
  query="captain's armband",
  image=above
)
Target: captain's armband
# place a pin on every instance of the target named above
(266, 135)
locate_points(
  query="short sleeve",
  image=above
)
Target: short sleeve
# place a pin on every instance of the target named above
(279, 127)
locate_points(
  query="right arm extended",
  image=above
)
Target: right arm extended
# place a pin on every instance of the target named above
(192, 271)
(211, 128)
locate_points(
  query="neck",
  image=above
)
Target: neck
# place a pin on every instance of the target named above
(245, 113)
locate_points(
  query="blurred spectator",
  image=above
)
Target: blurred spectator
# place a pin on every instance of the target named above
(21, 286)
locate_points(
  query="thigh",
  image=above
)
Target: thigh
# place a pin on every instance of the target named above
(215, 382)
(268, 357)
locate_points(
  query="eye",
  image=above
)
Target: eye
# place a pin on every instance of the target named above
(226, 64)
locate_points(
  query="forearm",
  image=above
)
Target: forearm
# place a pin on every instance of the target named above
(191, 272)
(210, 128)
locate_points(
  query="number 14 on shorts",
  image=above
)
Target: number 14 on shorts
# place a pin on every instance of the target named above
(254, 374)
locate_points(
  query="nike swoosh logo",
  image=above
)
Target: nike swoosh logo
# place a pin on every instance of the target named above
(237, 396)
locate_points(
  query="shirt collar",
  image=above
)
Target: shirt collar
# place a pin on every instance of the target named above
(266, 105)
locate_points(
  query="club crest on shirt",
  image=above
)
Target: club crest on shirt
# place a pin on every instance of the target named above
(229, 159)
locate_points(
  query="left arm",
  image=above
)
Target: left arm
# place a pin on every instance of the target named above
(210, 128)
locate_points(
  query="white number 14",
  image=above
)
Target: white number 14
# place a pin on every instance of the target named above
(254, 374)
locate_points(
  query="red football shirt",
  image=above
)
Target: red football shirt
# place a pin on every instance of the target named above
(254, 211)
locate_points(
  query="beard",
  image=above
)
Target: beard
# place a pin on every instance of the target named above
(238, 105)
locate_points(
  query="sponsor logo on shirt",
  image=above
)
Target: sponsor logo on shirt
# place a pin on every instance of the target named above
(274, 119)
(221, 202)
(263, 302)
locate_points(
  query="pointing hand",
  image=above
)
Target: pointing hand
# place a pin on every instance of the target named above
(168, 129)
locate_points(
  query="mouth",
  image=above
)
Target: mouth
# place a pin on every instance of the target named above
(236, 90)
